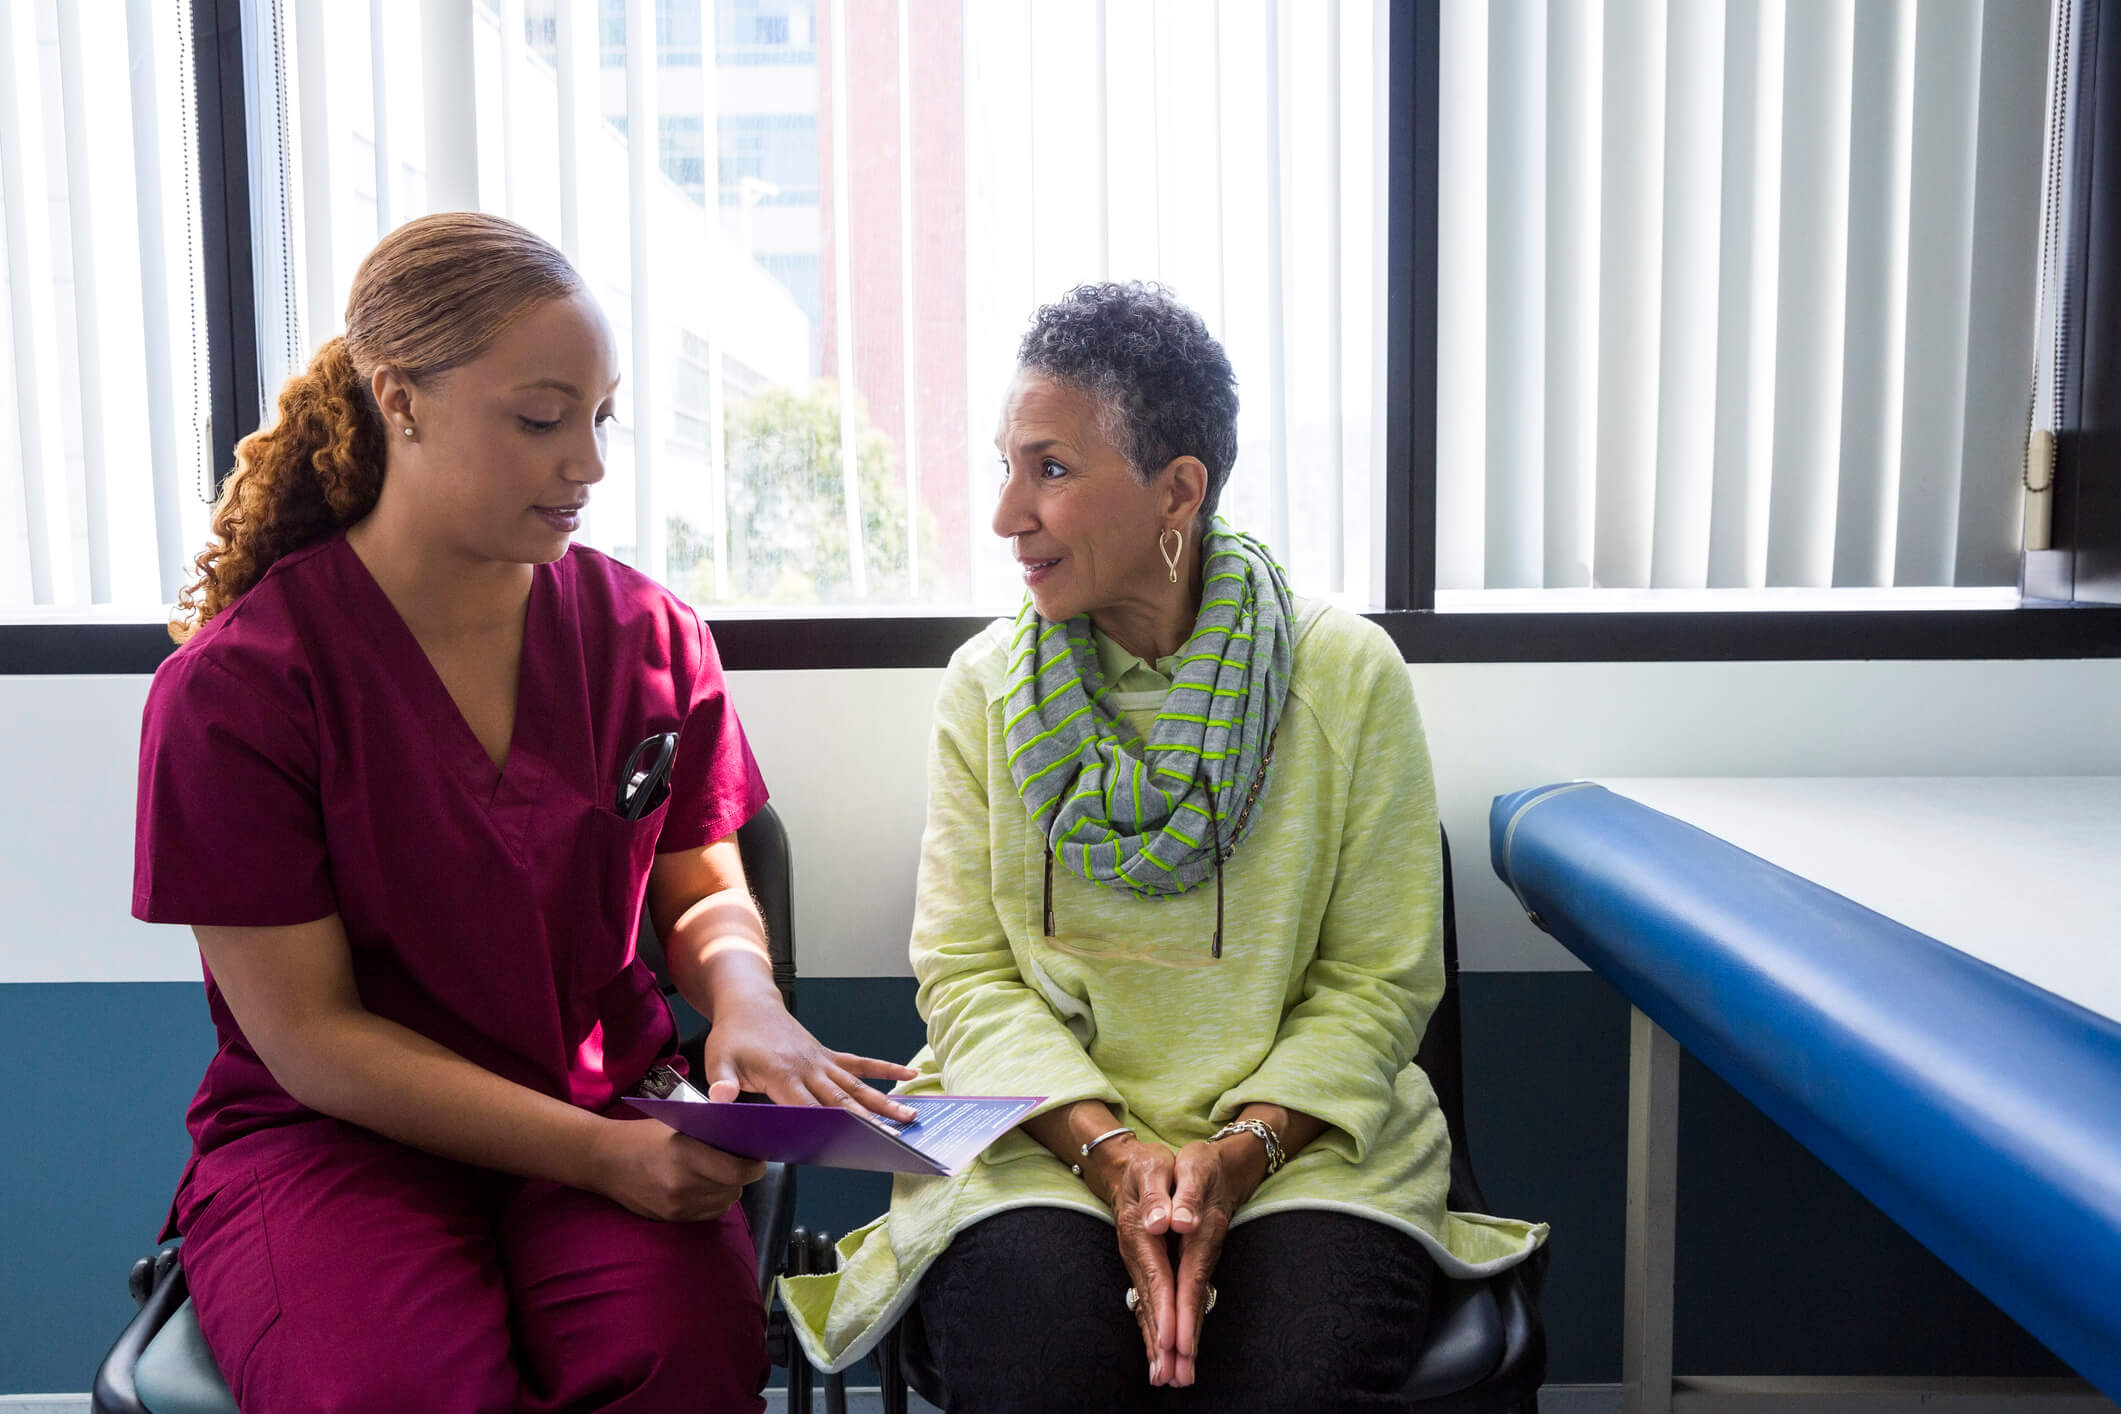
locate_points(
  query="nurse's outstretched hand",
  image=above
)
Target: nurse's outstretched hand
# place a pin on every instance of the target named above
(756, 1045)
(657, 1172)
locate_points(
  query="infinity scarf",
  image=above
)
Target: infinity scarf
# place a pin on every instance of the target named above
(1160, 823)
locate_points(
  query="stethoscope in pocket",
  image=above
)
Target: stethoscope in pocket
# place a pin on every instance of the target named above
(645, 783)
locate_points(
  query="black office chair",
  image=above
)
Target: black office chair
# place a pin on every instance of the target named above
(1485, 1350)
(160, 1364)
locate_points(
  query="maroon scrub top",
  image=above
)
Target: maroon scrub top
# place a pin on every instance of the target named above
(300, 757)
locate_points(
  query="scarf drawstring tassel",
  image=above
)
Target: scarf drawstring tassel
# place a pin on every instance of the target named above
(1049, 888)
(1215, 945)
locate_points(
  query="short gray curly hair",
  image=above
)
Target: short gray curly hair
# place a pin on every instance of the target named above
(1166, 386)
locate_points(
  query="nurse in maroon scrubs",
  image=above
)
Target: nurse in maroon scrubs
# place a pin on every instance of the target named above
(383, 780)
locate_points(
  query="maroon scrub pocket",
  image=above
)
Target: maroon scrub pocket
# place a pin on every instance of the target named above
(618, 853)
(228, 1265)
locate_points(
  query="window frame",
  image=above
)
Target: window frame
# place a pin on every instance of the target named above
(748, 641)
(225, 229)
(2083, 564)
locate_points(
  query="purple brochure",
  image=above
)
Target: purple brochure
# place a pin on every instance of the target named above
(946, 1134)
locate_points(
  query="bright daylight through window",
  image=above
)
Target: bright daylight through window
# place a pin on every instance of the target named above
(103, 397)
(819, 264)
(1735, 299)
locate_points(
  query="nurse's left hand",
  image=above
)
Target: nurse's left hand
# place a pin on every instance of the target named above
(758, 1046)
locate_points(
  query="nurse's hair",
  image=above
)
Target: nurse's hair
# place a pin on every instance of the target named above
(434, 294)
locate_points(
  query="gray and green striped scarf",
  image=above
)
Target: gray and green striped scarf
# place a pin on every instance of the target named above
(1144, 823)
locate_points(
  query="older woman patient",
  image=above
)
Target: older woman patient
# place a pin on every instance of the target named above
(1181, 878)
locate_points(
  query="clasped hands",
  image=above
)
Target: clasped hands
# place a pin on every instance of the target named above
(1172, 1212)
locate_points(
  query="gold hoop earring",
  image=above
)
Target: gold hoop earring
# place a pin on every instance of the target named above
(1168, 551)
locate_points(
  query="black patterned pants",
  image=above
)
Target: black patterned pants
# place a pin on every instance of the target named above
(1315, 1310)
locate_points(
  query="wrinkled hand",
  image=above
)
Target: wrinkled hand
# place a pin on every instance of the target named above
(653, 1170)
(1138, 1182)
(1211, 1183)
(759, 1047)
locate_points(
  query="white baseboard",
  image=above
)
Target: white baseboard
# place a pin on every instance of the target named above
(1761, 1396)
(865, 1400)
(1579, 1399)
(1845, 1395)
(1728, 1395)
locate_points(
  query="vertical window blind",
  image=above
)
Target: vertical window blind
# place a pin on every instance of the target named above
(1736, 294)
(103, 404)
(1234, 150)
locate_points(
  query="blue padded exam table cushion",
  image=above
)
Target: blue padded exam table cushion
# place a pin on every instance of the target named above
(1980, 1112)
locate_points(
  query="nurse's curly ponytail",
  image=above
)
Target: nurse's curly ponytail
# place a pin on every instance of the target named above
(317, 467)
(435, 293)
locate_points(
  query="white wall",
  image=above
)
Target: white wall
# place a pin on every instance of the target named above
(844, 754)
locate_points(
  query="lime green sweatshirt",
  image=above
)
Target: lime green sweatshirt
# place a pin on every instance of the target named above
(1332, 961)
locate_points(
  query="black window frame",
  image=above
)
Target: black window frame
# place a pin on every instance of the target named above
(2084, 564)
(2082, 621)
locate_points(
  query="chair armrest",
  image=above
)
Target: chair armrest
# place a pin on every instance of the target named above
(1524, 1335)
(1464, 1342)
(769, 1206)
(114, 1391)
(912, 1362)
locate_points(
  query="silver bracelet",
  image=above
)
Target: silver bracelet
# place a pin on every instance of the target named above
(1077, 1168)
(1263, 1132)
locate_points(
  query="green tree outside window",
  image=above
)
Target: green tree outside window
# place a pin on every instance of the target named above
(787, 507)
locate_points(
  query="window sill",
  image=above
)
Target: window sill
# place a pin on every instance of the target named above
(1722, 601)
(1673, 635)
(136, 641)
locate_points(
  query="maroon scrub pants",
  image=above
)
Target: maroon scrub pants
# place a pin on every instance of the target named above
(335, 1270)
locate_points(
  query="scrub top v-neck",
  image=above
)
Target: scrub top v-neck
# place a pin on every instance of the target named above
(301, 757)
(506, 794)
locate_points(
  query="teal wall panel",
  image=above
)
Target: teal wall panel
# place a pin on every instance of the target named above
(1782, 1267)
(91, 1147)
